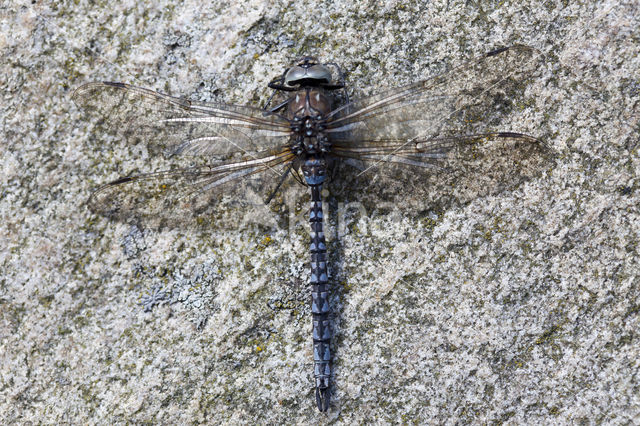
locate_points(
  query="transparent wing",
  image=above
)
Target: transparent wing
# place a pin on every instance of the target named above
(435, 138)
(178, 126)
(179, 196)
(474, 94)
(436, 154)
(438, 172)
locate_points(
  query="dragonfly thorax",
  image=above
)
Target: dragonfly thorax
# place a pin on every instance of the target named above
(307, 110)
(309, 136)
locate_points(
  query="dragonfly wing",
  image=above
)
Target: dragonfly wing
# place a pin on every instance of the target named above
(434, 135)
(177, 126)
(473, 94)
(179, 196)
(447, 169)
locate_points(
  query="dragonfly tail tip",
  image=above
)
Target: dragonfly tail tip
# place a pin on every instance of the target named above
(322, 399)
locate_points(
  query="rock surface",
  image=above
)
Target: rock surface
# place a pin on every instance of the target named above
(521, 306)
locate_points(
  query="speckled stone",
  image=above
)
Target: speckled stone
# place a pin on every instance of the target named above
(521, 306)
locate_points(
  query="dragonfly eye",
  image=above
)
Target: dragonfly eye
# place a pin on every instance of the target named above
(313, 75)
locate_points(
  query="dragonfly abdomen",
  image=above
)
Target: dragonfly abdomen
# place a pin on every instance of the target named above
(320, 301)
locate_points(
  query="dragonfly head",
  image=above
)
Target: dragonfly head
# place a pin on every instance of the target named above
(308, 71)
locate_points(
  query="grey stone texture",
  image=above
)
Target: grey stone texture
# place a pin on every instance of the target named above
(515, 307)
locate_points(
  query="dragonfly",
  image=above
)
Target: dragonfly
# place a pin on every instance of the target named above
(431, 129)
